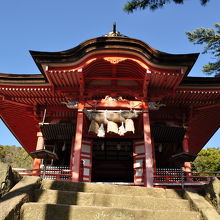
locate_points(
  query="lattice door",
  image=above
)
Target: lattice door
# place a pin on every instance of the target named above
(139, 159)
(86, 160)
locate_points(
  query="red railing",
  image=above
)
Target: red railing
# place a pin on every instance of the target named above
(169, 178)
(56, 174)
(162, 177)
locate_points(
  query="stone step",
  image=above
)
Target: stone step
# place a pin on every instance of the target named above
(39, 211)
(111, 189)
(109, 200)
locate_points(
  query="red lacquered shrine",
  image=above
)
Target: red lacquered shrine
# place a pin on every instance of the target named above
(112, 109)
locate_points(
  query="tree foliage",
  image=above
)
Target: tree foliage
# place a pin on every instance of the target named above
(132, 5)
(15, 156)
(211, 38)
(208, 160)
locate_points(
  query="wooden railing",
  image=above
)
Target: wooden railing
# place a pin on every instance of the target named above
(170, 177)
(162, 177)
(51, 173)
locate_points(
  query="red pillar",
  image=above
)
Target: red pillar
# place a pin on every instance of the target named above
(187, 169)
(185, 143)
(187, 165)
(77, 144)
(154, 158)
(72, 153)
(40, 146)
(149, 160)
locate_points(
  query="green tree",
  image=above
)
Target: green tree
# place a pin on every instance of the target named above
(15, 156)
(207, 36)
(208, 160)
(132, 5)
(211, 39)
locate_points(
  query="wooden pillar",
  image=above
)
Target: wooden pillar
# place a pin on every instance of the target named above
(187, 165)
(40, 146)
(187, 169)
(149, 160)
(185, 143)
(72, 153)
(77, 144)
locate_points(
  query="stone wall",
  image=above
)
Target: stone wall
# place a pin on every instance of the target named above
(8, 178)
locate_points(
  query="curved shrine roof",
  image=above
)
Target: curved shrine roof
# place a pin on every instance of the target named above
(113, 63)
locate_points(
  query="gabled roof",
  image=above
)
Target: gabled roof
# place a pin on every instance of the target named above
(60, 80)
(118, 44)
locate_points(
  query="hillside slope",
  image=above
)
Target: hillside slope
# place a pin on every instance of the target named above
(15, 156)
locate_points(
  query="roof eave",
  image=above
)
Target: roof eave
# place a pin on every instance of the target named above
(113, 43)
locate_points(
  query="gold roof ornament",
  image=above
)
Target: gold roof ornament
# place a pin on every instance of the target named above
(114, 32)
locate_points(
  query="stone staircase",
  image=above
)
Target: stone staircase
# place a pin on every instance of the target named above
(60, 200)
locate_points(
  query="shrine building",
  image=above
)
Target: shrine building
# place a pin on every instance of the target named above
(112, 109)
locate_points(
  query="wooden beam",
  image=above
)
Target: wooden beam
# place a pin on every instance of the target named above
(66, 89)
(113, 104)
(108, 89)
(113, 91)
(208, 106)
(113, 78)
(8, 100)
(100, 56)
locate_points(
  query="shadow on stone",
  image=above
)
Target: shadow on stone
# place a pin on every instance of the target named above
(12, 201)
(8, 178)
(212, 193)
(64, 209)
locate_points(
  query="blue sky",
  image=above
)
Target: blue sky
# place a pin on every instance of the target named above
(52, 25)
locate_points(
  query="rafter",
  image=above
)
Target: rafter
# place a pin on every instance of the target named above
(113, 78)
(81, 82)
(145, 84)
